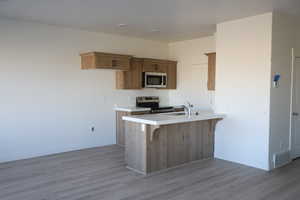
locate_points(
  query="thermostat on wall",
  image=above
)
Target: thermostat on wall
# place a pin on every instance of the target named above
(276, 79)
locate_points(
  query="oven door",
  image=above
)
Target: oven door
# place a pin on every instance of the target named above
(155, 80)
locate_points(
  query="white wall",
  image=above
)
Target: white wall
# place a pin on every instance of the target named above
(192, 72)
(243, 90)
(48, 104)
(283, 40)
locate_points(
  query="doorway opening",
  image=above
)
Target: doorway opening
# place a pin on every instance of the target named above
(295, 107)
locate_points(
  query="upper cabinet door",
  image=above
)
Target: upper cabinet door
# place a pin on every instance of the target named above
(130, 79)
(98, 60)
(172, 75)
(211, 71)
(153, 65)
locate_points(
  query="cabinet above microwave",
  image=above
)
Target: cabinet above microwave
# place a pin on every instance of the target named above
(155, 65)
(133, 79)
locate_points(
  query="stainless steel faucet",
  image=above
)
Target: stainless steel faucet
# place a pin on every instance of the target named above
(188, 108)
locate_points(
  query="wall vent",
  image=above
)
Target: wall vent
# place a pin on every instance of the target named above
(281, 159)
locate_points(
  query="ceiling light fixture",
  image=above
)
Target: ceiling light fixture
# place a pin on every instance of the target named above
(154, 30)
(122, 25)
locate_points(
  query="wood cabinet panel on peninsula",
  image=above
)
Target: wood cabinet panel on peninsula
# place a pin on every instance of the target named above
(120, 124)
(150, 148)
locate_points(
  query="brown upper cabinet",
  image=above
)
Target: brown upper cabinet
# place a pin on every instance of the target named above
(172, 75)
(99, 60)
(131, 79)
(129, 69)
(211, 71)
(154, 65)
(163, 66)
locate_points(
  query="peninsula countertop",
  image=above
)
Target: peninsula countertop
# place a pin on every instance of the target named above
(139, 109)
(172, 118)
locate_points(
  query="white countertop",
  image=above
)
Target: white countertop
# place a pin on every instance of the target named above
(169, 118)
(137, 109)
(131, 109)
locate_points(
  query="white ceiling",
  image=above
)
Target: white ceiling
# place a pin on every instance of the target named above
(175, 19)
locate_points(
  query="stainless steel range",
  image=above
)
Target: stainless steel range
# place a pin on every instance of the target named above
(153, 103)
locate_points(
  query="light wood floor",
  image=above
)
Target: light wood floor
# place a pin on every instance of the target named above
(100, 173)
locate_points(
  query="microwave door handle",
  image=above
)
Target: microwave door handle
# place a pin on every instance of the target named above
(164, 80)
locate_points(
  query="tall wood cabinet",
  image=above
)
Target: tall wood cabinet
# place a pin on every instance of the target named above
(172, 75)
(211, 71)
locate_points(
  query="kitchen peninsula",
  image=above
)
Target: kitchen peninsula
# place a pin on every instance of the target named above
(160, 141)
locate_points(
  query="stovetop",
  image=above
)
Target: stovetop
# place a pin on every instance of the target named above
(162, 109)
(152, 102)
(155, 109)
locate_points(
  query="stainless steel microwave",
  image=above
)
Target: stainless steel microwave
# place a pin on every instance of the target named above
(154, 80)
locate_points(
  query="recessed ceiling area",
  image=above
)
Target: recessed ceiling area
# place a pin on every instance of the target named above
(161, 20)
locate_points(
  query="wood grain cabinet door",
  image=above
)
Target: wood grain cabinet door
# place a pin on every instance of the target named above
(120, 63)
(172, 75)
(175, 145)
(193, 135)
(162, 68)
(153, 65)
(211, 79)
(149, 65)
(99, 60)
(130, 79)
(189, 142)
